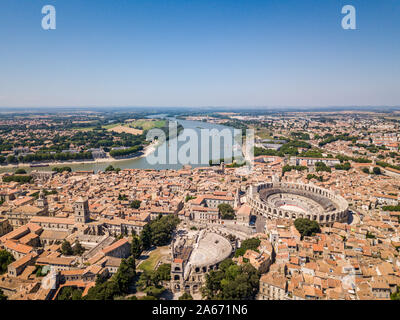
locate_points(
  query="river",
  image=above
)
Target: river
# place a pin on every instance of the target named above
(145, 163)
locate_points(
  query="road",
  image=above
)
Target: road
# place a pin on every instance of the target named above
(260, 223)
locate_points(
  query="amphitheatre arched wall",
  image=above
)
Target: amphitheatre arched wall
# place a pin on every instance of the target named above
(313, 202)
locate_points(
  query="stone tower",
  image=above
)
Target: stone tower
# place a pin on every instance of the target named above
(237, 198)
(177, 275)
(42, 201)
(81, 211)
(222, 167)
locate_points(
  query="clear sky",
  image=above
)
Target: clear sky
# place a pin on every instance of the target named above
(199, 53)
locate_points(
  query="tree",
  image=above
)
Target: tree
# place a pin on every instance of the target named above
(393, 296)
(66, 248)
(19, 179)
(117, 285)
(369, 235)
(101, 278)
(186, 296)
(306, 227)
(145, 280)
(109, 168)
(158, 232)
(11, 159)
(136, 204)
(188, 198)
(226, 211)
(136, 247)
(148, 298)
(232, 282)
(125, 274)
(5, 259)
(248, 244)
(377, 170)
(365, 170)
(321, 166)
(345, 166)
(145, 237)
(62, 169)
(251, 243)
(20, 171)
(154, 291)
(164, 272)
(78, 249)
(3, 297)
(104, 291)
(124, 152)
(122, 197)
(162, 229)
(70, 293)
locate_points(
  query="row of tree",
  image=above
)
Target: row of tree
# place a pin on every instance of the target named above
(62, 169)
(68, 250)
(118, 285)
(5, 259)
(157, 232)
(17, 178)
(231, 282)
(124, 152)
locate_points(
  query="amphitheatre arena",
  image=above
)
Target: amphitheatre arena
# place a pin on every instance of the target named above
(194, 255)
(294, 200)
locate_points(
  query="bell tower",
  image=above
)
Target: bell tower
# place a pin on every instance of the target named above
(42, 201)
(81, 211)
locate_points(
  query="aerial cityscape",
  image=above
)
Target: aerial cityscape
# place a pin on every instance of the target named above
(315, 215)
(199, 151)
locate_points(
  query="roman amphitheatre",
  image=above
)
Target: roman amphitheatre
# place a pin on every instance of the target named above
(294, 200)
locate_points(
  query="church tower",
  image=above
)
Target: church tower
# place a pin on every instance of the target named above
(81, 211)
(42, 201)
(237, 198)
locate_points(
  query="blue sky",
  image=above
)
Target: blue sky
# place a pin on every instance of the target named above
(199, 53)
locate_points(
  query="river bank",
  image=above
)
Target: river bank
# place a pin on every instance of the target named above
(146, 151)
(167, 148)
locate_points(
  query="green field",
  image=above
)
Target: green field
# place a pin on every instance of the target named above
(90, 128)
(145, 124)
(83, 128)
(150, 263)
(110, 126)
